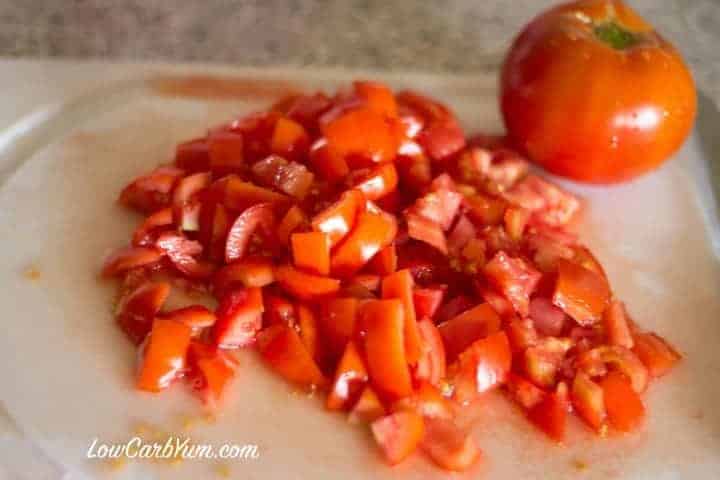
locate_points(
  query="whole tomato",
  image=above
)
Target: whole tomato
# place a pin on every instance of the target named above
(593, 93)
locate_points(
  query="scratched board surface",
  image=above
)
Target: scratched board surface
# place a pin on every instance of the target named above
(67, 370)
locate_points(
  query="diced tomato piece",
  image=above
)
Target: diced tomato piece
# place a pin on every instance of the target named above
(448, 446)
(385, 261)
(486, 210)
(194, 316)
(524, 392)
(151, 192)
(461, 331)
(350, 378)
(291, 178)
(463, 232)
(426, 400)
(185, 212)
(439, 206)
(368, 281)
(482, 366)
(289, 139)
(364, 133)
(193, 156)
(238, 195)
(431, 365)
(143, 235)
(378, 97)
(182, 252)
(584, 257)
(128, 258)
(282, 348)
(239, 318)
(499, 303)
(542, 360)
(616, 325)
(550, 415)
(548, 203)
(279, 310)
(294, 218)
(442, 139)
(378, 181)
(383, 321)
(547, 318)
(516, 219)
(521, 334)
(581, 293)
(368, 407)
(226, 151)
(307, 323)
(453, 308)
(595, 361)
(212, 370)
(248, 272)
(338, 219)
(625, 410)
(587, 399)
(426, 231)
(137, 311)
(338, 323)
(427, 301)
(214, 224)
(515, 278)
(311, 251)
(400, 285)
(258, 217)
(163, 358)
(398, 434)
(327, 163)
(655, 353)
(373, 231)
(305, 286)
(306, 109)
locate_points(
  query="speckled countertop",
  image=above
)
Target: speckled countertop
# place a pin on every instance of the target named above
(450, 36)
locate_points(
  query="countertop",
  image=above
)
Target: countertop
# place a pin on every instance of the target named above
(451, 36)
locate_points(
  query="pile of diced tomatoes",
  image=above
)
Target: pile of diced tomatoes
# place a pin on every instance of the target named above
(366, 249)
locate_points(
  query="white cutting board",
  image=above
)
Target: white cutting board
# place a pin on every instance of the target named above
(66, 370)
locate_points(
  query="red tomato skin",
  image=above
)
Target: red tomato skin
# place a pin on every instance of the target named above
(239, 318)
(461, 331)
(260, 216)
(138, 310)
(615, 119)
(163, 357)
(625, 410)
(550, 415)
(431, 365)
(398, 434)
(282, 348)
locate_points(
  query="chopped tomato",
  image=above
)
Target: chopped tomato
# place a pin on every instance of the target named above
(350, 378)
(427, 301)
(521, 334)
(185, 205)
(581, 293)
(486, 210)
(547, 318)
(383, 321)
(294, 218)
(289, 139)
(193, 156)
(248, 272)
(282, 348)
(311, 251)
(550, 415)
(183, 254)
(482, 366)
(385, 261)
(338, 323)
(305, 286)
(428, 401)
(307, 323)
(368, 407)
(239, 318)
(291, 178)
(542, 360)
(453, 308)
(378, 181)
(212, 370)
(338, 219)
(368, 281)
(258, 217)
(440, 206)
(463, 232)
(625, 410)
(524, 392)
(214, 224)
(655, 353)
(398, 434)
(226, 151)
(194, 316)
(327, 163)
(163, 358)
(128, 258)
(400, 285)
(136, 312)
(151, 192)
(448, 446)
(373, 231)
(278, 310)
(461, 331)
(515, 278)
(426, 231)
(364, 133)
(588, 400)
(548, 203)
(594, 362)
(146, 234)
(431, 364)
(378, 97)
(238, 195)
(616, 325)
